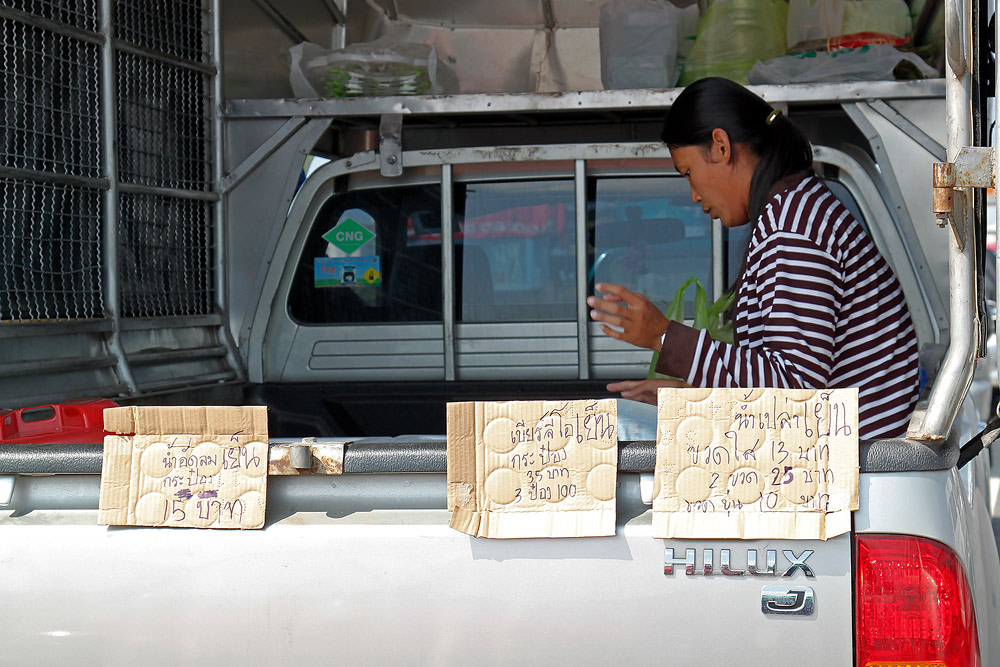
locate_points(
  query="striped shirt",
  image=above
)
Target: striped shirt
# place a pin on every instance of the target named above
(817, 307)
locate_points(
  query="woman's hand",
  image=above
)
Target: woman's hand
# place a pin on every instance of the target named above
(643, 391)
(641, 323)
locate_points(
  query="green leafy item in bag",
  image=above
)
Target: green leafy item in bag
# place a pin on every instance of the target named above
(705, 317)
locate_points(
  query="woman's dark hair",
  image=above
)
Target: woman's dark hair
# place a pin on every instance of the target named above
(713, 103)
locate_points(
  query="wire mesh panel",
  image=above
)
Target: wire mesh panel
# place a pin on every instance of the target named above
(167, 254)
(50, 251)
(173, 27)
(51, 101)
(164, 124)
(64, 206)
(83, 14)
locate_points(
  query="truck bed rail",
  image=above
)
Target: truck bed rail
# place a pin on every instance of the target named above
(372, 455)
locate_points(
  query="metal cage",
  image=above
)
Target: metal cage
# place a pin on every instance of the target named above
(109, 204)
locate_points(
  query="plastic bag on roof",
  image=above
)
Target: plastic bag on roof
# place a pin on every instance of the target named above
(369, 69)
(814, 19)
(873, 62)
(733, 35)
(891, 17)
(643, 42)
(811, 20)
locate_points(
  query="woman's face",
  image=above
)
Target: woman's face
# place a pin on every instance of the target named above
(717, 181)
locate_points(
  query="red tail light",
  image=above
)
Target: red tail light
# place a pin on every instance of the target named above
(913, 606)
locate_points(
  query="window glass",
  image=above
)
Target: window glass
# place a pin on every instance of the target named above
(515, 251)
(650, 237)
(372, 256)
(736, 240)
(847, 199)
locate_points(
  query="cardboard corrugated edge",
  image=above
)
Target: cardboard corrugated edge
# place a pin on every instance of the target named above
(759, 525)
(463, 499)
(482, 514)
(557, 524)
(114, 500)
(187, 420)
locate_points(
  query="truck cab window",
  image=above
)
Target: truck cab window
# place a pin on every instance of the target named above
(515, 251)
(650, 237)
(403, 237)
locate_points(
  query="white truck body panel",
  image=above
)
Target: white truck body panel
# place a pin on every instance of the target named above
(193, 237)
(335, 578)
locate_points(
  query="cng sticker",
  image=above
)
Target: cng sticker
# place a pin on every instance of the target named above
(348, 236)
(347, 271)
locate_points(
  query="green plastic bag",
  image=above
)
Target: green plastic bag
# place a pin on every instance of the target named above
(705, 317)
(735, 34)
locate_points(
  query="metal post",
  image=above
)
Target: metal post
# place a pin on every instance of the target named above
(991, 141)
(582, 310)
(109, 250)
(448, 272)
(339, 17)
(343, 29)
(955, 376)
(720, 261)
(219, 173)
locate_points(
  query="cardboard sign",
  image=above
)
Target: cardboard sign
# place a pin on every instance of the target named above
(197, 467)
(755, 463)
(533, 468)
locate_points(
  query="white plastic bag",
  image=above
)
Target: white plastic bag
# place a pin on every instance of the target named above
(640, 42)
(873, 62)
(368, 69)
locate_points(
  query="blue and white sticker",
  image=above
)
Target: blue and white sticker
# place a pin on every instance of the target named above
(346, 271)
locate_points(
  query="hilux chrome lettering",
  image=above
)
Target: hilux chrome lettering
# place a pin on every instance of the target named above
(798, 562)
(780, 600)
(769, 568)
(725, 565)
(690, 561)
(669, 561)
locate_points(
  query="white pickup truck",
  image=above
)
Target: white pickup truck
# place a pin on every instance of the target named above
(165, 250)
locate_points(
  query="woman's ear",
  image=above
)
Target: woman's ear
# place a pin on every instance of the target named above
(722, 149)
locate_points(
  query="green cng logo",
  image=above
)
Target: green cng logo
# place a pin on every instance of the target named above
(349, 236)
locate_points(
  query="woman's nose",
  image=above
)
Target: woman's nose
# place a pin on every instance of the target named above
(695, 197)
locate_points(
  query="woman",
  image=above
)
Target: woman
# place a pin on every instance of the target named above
(816, 305)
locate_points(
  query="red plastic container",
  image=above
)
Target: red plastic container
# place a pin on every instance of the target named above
(73, 422)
